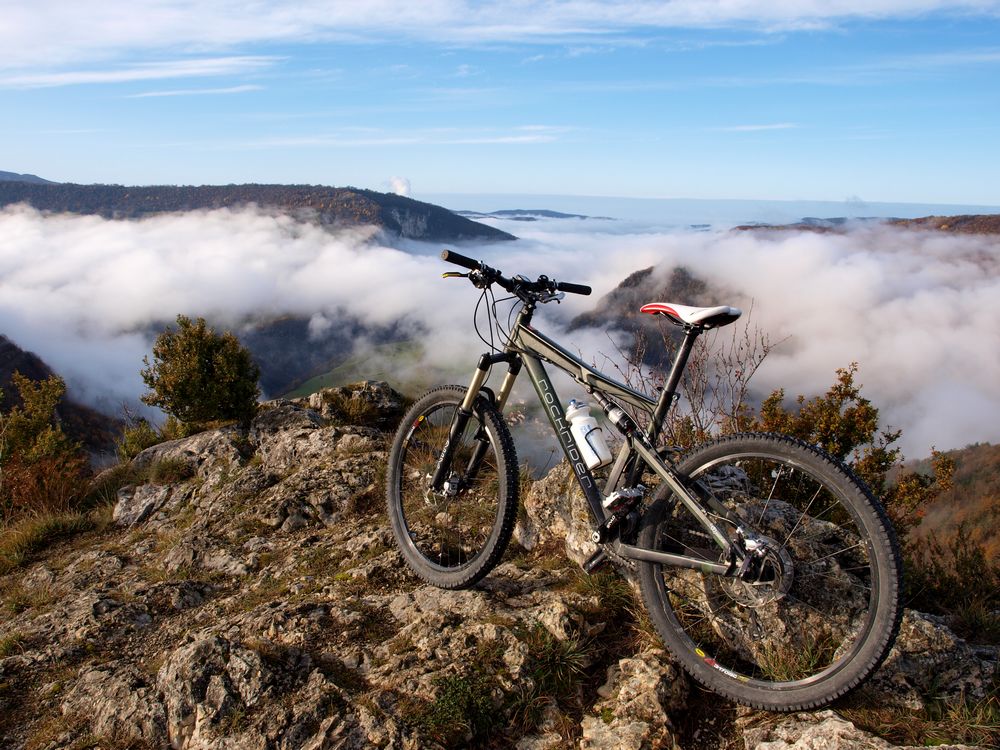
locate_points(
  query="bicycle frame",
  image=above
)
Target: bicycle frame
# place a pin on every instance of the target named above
(532, 348)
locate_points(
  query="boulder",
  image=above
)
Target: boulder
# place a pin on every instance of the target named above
(632, 714)
(823, 730)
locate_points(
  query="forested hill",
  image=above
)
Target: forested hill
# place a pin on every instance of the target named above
(97, 432)
(15, 177)
(963, 224)
(400, 216)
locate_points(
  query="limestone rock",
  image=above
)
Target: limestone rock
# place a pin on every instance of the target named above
(119, 701)
(375, 398)
(928, 658)
(206, 681)
(823, 730)
(210, 454)
(556, 511)
(638, 694)
(138, 504)
(285, 435)
(256, 600)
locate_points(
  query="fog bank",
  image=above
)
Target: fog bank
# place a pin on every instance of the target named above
(917, 310)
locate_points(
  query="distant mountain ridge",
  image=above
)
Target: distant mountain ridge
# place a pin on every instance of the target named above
(15, 177)
(960, 224)
(331, 206)
(526, 214)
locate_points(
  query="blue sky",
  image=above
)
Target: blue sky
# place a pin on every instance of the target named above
(884, 100)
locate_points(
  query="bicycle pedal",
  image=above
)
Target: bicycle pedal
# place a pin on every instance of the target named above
(595, 562)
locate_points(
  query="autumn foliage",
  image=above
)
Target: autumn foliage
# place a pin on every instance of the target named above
(41, 469)
(846, 425)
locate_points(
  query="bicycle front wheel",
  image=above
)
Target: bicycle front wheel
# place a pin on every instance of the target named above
(821, 609)
(452, 538)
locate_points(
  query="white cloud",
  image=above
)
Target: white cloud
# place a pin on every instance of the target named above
(212, 66)
(399, 186)
(66, 32)
(197, 92)
(359, 138)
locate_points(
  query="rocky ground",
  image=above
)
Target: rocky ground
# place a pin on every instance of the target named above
(246, 593)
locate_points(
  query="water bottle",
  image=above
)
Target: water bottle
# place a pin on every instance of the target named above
(588, 436)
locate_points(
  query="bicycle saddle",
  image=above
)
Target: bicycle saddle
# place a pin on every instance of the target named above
(706, 317)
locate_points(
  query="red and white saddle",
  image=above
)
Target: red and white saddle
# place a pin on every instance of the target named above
(706, 317)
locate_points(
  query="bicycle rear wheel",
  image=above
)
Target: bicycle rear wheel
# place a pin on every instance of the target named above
(452, 540)
(824, 608)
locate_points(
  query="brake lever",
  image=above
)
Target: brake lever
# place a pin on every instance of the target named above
(454, 275)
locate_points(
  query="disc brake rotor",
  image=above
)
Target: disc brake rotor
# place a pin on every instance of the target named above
(771, 581)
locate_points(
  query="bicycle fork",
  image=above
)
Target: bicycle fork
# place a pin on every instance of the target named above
(441, 480)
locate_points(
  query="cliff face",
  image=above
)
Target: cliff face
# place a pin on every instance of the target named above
(342, 207)
(246, 593)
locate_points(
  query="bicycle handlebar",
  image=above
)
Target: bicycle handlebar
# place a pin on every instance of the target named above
(565, 286)
(460, 260)
(513, 285)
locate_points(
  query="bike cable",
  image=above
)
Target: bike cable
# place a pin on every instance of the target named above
(489, 321)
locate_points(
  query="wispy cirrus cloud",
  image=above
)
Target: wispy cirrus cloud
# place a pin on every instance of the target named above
(191, 68)
(65, 32)
(756, 128)
(876, 71)
(197, 92)
(374, 137)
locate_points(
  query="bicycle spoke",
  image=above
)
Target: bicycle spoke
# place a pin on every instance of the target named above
(804, 513)
(804, 601)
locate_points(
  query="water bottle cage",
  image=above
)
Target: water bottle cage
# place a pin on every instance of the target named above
(587, 439)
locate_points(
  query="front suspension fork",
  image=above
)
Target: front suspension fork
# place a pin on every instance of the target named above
(466, 410)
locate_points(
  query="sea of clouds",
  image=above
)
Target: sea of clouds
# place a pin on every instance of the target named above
(917, 310)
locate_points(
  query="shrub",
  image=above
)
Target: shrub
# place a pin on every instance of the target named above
(41, 469)
(846, 425)
(958, 580)
(199, 376)
(136, 438)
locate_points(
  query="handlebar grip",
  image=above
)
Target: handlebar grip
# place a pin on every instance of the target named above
(565, 286)
(460, 260)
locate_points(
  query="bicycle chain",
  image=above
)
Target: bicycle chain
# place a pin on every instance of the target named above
(622, 563)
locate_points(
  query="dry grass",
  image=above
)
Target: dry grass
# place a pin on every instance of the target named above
(11, 643)
(17, 597)
(797, 659)
(962, 721)
(23, 540)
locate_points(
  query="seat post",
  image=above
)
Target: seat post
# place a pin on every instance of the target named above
(669, 392)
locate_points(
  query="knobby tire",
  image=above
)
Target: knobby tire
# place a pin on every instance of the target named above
(452, 541)
(825, 611)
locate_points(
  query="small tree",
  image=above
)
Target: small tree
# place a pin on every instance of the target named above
(199, 376)
(846, 425)
(41, 469)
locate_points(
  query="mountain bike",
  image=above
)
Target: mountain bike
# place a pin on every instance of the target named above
(768, 568)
